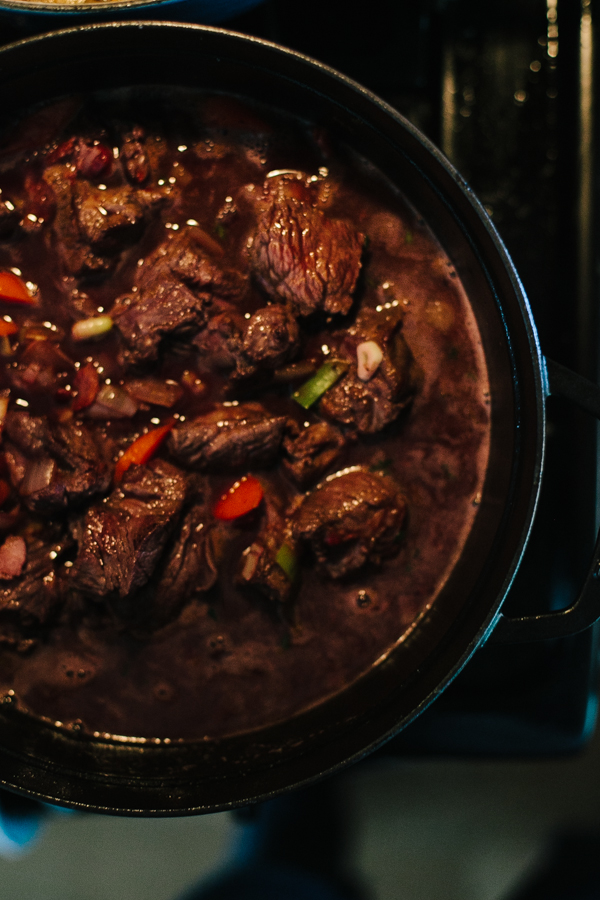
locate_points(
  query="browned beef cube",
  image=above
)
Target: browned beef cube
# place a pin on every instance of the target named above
(185, 257)
(301, 256)
(351, 518)
(368, 406)
(188, 568)
(310, 451)
(121, 539)
(220, 341)
(265, 340)
(228, 438)
(176, 286)
(54, 466)
(110, 219)
(163, 310)
(270, 336)
(30, 599)
(76, 254)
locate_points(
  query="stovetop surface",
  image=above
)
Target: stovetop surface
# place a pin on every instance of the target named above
(507, 92)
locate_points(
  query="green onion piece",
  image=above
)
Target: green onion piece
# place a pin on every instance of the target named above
(322, 380)
(287, 560)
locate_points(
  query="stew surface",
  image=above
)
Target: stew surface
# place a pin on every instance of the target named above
(245, 415)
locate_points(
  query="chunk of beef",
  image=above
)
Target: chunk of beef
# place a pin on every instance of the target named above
(110, 219)
(164, 310)
(134, 158)
(188, 257)
(31, 598)
(258, 567)
(77, 256)
(41, 366)
(39, 204)
(368, 406)
(270, 336)
(220, 341)
(120, 540)
(53, 466)
(354, 516)
(228, 438)
(265, 340)
(188, 568)
(301, 256)
(310, 451)
(176, 286)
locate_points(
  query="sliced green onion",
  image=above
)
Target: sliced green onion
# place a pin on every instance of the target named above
(322, 380)
(287, 560)
(91, 328)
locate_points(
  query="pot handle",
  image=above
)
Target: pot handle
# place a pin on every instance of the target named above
(585, 611)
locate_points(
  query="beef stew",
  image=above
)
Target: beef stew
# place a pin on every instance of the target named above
(246, 416)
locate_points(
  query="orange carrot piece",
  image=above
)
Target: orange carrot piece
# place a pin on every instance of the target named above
(14, 290)
(244, 496)
(142, 449)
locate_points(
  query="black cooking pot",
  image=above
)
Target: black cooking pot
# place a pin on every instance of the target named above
(152, 777)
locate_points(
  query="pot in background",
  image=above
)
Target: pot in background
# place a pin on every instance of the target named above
(29, 15)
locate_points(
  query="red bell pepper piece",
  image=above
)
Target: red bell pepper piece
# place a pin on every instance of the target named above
(241, 498)
(142, 449)
(14, 290)
(7, 328)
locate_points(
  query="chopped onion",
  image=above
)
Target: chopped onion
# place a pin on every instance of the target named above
(47, 354)
(37, 332)
(91, 328)
(13, 554)
(3, 409)
(252, 555)
(112, 403)
(154, 391)
(38, 475)
(368, 356)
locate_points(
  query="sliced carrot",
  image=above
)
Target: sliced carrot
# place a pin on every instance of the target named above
(241, 498)
(142, 449)
(7, 328)
(14, 290)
